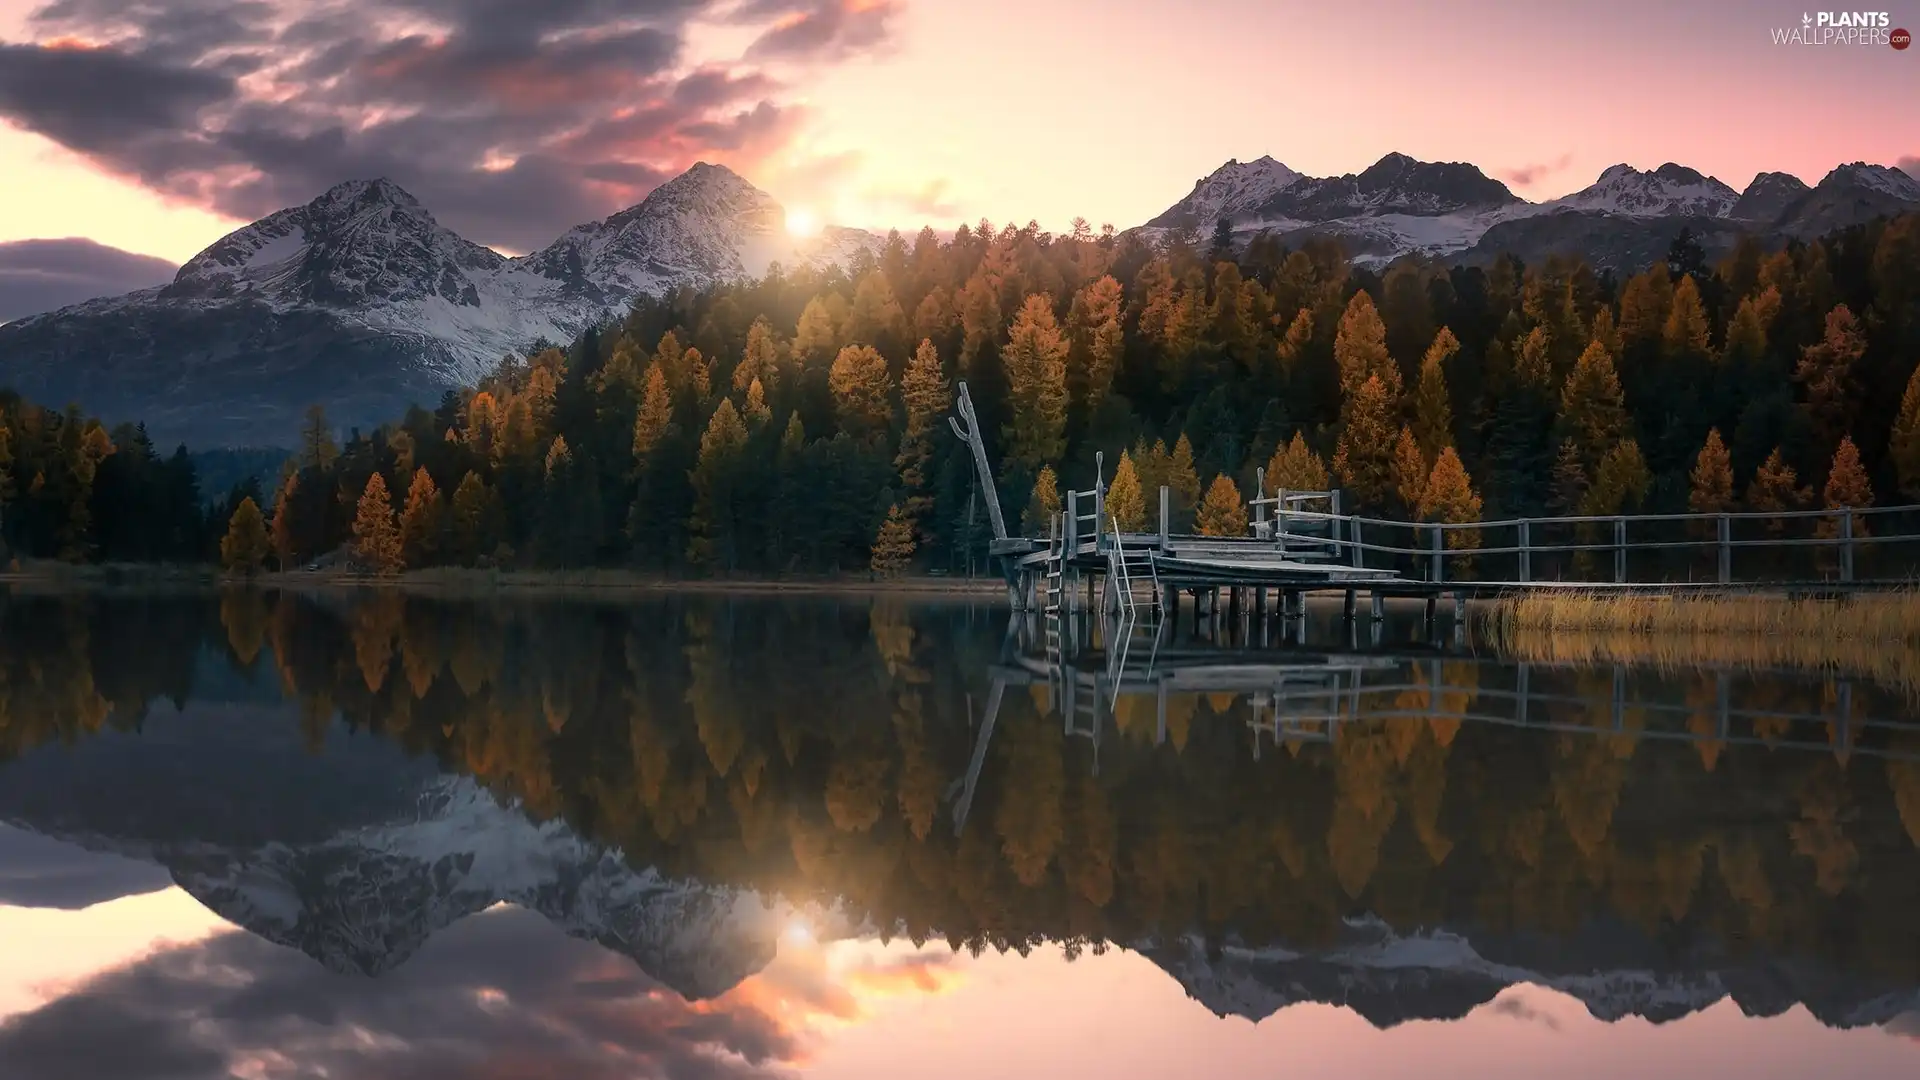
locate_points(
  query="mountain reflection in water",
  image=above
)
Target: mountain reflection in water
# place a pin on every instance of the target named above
(750, 811)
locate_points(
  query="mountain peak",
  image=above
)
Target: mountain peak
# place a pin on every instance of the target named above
(367, 194)
(1669, 189)
(1879, 179)
(1230, 191)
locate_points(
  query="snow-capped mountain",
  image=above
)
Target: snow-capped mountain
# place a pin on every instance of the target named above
(1231, 191)
(1624, 220)
(364, 899)
(361, 301)
(1391, 978)
(1768, 197)
(1667, 190)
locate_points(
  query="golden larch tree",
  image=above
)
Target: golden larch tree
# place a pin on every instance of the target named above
(1295, 467)
(1432, 408)
(924, 391)
(761, 359)
(1360, 349)
(861, 390)
(1826, 375)
(1043, 505)
(1776, 489)
(1410, 470)
(1711, 490)
(421, 521)
(472, 526)
(1847, 488)
(1448, 498)
(1684, 336)
(281, 529)
(1363, 458)
(656, 412)
(893, 546)
(1036, 361)
(1097, 337)
(1222, 512)
(1904, 448)
(376, 540)
(1126, 503)
(1592, 410)
(1181, 478)
(246, 544)
(877, 318)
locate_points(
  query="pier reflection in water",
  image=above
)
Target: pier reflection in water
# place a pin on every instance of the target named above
(768, 822)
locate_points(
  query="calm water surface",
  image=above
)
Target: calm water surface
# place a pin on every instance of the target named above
(277, 837)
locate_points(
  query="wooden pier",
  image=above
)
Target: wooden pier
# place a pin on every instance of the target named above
(1303, 541)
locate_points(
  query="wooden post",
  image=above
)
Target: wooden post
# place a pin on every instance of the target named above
(1166, 515)
(1377, 607)
(1726, 549)
(1280, 520)
(1439, 566)
(1526, 550)
(1359, 556)
(1259, 494)
(1346, 608)
(1846, 544)
(1620, 550)
(1073, 525)
(1099, 500)
(1333, 525)
(1433, 613)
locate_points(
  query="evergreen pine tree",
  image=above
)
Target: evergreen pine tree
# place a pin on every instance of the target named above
(893, 547)
(472, 533)
(246, 544)
(1569, 479)
(376, 541)
(1223, 512)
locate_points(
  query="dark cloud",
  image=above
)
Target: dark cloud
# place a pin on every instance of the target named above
(511, 121)
(824, 30)
(41, 275)
(502, 994)
(1517, 1008)
(1527, 174)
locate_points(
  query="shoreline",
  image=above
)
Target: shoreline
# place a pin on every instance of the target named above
(454, 582)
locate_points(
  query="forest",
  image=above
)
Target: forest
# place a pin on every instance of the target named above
(643, 728)
(797, 423)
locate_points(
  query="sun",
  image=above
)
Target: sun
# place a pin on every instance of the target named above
(802, 222)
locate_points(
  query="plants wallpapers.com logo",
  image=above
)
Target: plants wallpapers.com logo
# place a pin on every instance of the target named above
(1843, 28)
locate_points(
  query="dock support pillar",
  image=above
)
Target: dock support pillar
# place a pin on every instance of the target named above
(1433, 613)
(1377, 606)
(1260, 602)
(1346, 609)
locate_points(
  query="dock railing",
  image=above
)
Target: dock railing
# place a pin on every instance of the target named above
(1848, 546)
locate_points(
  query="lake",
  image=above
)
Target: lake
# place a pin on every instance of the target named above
(360, 835)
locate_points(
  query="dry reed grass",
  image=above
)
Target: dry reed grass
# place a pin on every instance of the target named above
(1871, 635)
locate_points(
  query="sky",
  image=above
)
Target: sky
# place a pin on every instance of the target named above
(152, 127)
